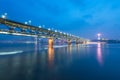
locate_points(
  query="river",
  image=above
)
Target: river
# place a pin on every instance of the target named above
(31, 61)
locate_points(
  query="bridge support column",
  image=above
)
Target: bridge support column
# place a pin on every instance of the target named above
(11, 29)
(23, 30)
(50, 42)
(84, 42)
(77, 41)
(69, 42)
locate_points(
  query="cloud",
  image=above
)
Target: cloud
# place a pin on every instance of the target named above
(98, 15)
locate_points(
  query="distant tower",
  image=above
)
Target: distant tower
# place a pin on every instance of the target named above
(98, 36)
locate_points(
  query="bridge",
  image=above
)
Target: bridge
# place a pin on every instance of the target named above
(17, 28)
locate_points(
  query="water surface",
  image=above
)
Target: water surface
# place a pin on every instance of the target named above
(76, 62)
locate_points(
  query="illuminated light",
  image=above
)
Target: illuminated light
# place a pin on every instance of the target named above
(60, 46)
(99, 45)
(40, 26)
(98, 35)
(8, 53)
(17, 34)
(4, 32)
(50, 55)
(55, 30)
(99, 53)
(43, 37)
(29, 21)
(3, 16)
(50, 42)
(49, 29)
(26, 22)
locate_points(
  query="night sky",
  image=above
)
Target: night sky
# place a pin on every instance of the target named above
(84, 18)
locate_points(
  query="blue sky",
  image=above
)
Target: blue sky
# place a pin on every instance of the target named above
(84, 18)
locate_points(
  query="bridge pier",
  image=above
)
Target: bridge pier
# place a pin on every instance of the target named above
(69, 42)
(84, 42)
(50, 42)
(23, 30)
(11, 29)
(77, 41)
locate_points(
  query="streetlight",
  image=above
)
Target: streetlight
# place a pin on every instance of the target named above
(98, 35)
(4, 15)
(64, 33)
(26, 22)
(61, 32)
(29, 21)
(40, 26)
(55, 30)
(48, 28)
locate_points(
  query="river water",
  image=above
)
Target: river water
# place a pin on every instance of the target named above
(31, 61)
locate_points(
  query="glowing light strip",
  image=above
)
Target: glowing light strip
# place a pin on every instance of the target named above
(17, 34)
(8, 53)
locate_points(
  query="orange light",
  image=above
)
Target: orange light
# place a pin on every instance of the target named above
(50, 42)
(50, 55)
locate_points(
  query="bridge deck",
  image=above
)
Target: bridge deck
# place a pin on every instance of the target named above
(25, 29)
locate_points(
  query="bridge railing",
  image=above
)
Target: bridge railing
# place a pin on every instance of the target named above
(33, 30)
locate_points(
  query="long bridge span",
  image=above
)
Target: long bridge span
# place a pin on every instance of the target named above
(17, 28)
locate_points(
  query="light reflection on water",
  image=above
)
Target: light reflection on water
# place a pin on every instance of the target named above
(73, 62)
(50, 55)
(99, 53)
